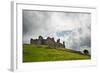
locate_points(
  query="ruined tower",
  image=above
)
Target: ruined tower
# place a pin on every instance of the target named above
(49, 41)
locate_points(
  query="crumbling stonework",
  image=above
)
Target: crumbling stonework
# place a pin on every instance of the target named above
(49, 41)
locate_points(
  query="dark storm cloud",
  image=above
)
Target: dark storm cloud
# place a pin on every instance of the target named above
(34, 23)
(32, 20)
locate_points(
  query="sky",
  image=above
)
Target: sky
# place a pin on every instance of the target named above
(72, 27)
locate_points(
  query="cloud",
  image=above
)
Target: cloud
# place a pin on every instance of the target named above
(71, 27)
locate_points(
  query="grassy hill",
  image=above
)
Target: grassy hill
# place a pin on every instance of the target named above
(37, 53)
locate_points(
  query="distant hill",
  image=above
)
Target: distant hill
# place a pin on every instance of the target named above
(38, 53)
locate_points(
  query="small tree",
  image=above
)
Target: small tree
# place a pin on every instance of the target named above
(86, 52)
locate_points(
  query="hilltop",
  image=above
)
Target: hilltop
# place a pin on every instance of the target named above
(38, 53)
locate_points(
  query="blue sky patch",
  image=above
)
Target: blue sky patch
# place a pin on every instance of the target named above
(63, 33)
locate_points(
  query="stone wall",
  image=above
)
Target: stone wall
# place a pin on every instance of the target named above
(49, 41)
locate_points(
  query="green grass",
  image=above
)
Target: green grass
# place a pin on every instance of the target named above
(37, 53)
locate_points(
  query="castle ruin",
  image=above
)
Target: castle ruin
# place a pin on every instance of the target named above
(50, 42)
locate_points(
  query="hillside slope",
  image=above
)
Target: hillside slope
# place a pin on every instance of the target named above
(36, 53)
